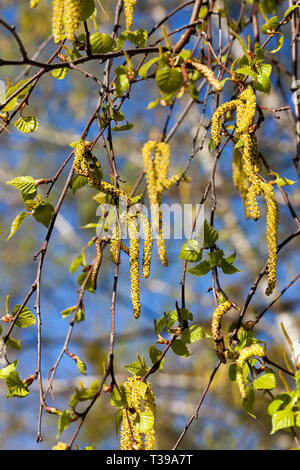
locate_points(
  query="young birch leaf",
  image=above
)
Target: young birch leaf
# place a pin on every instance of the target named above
(26, 124)
(201, 269)
(25, 318)
(169, 80)
(282, 419)
(16, 224)
(44, 213)
(59, 74)
(101, 43)
(144, 421)
(26, 185)
(64, 421)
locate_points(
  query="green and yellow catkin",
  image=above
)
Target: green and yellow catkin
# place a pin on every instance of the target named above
(271, 234)
(141, 399)
(34, 3)
(255, 350)
(217, 119)
(218, 314)
(240, 179)
(128, 11)
(72, 16)
(156, 159)
(96, 264)
(134, 263)
(82, 166)
(208, 74)
(246, 172)
(57, 20)
(148, 243)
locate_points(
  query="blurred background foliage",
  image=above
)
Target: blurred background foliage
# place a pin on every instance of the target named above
(63, 108)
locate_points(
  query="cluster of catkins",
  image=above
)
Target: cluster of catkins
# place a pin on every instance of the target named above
(87, 165)
(132, 218)
(65, 13)
(139, 393)
(246, 166)
(156, 157)
(255, 350)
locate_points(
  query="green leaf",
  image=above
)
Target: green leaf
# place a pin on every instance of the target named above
(228, 268)
(136, 368)
(259, 53)
(65, 313)
(154, 355)
(81, 366)
(215, 258)
(262, 83)
(280, 401)
(269, 6)
(64, 422)
(44, 213)
(12, 104)
(266, 381)
(25, 318)
(78, 182)
(116, 400)
(179, 348)
(210, 235)
(193, 333)
(118, 420)
(249, 402)
(88, 9)
(279, 45)
(26, 185)
(122, 83)
(159, 325)
(16, 388)
(14, 343)
(144, 421)
(230, 259)
(6, 371)
(139, 37)
(16, 224)
(232, 371)
(270, 26)
(76, 263)
(191, 251)
(184, 313)
(101, 43)
(27, 124)
(83, 394)
(201, 269)
(121, 39)
(125, 127)
(169, 80)
(152, 104)
(290, 9)
(144, 69)
(81, 279)
(282, 181)
(282, 419)
(59, 74)
(265, 69)
(247, 71)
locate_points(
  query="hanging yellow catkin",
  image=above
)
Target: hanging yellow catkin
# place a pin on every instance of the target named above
(128, 11)
(240, 179)
(271, 234)
(249, 167)
(34, 3)
(130, 438)
(97, 263)
(255, 350)
(148, 243)
(72, 16)
(217, 118)
(218, 314)
(208, 74)
(57, 20)
(246, 112)
(134, 263)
